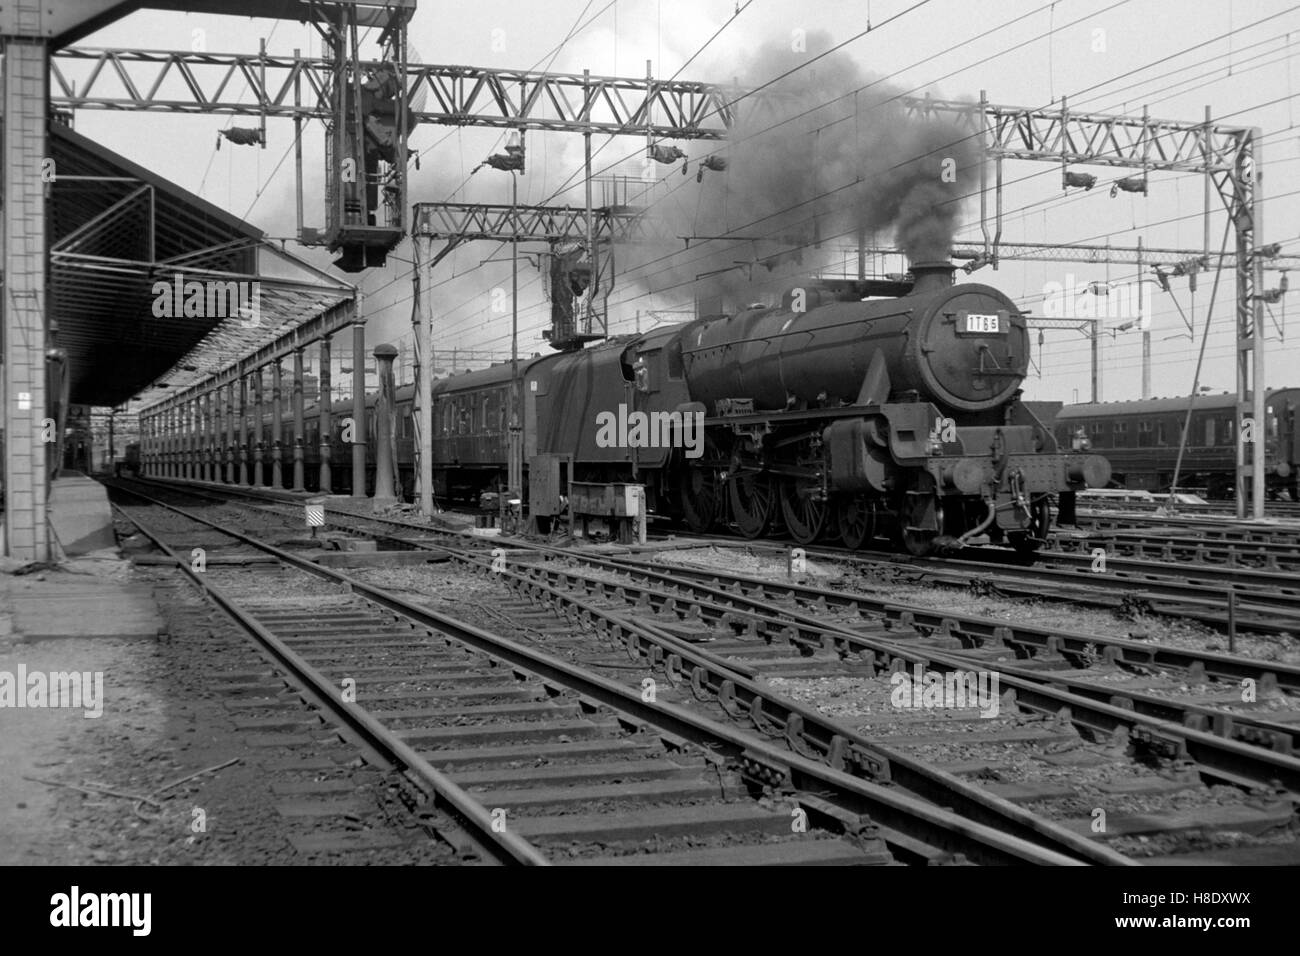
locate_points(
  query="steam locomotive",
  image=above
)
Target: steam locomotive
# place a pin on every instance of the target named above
(854, 410)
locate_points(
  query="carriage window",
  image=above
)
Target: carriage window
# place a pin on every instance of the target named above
(486, 419)
(502, 398)
(1144, 433)
(407, 426)
(1161, 437)
(1209, 431)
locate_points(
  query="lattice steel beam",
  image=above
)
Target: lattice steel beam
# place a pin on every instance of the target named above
(1106, 139)
(504, 223)
(1119, 255)
(263, 85)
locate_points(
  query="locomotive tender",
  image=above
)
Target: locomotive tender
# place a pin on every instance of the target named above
(833, 414)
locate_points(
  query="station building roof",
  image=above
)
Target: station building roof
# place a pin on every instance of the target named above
(115, 229)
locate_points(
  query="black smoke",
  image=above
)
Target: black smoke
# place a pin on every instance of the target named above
(812, 159)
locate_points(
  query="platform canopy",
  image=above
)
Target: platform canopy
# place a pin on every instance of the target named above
(117, 230)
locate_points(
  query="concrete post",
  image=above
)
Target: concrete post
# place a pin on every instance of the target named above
(359, 410)
(384, 465)
(297, 422)
(277, 425)
(326, 425)
(259, 445)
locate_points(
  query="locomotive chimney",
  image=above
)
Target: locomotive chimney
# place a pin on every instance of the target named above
(932, 276)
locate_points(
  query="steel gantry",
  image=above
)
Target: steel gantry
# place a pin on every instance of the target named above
(260, 84)
(1228, 157)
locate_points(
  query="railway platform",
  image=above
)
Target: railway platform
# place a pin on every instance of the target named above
(77, 645)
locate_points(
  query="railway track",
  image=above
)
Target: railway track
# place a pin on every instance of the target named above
(1210, 529)
(516, 718)
(1210, 742)
(1266, 602)
(1263, 601)
(1278, 553)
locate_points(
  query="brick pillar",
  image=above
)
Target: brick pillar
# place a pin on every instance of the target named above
(22, 261)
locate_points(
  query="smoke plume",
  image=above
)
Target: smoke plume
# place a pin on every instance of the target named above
(809, 163)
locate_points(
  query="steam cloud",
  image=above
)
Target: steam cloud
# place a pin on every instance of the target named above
(835, 162)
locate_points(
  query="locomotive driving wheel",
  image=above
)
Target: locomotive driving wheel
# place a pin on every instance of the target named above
(855, 517)
(805, 515)
(753, 500)
(701, 498)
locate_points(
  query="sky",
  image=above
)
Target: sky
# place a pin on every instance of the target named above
(1172, 57)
